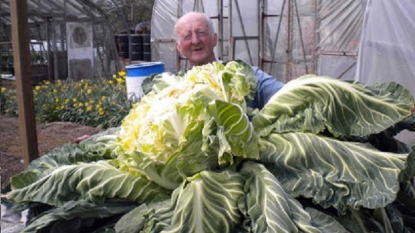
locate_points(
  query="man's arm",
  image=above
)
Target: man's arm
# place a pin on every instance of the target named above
(267, 86)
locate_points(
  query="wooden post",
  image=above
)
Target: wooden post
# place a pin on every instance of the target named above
(23, 73)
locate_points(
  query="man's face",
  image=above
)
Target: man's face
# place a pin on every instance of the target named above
(195, 41)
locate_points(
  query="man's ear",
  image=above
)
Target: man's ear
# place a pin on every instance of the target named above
(178, 48)
(215, 37)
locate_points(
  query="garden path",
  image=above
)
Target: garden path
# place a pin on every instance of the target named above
(49, 136)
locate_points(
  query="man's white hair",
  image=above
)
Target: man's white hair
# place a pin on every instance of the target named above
(208, 20)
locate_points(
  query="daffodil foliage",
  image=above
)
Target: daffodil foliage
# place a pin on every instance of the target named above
(321, 156)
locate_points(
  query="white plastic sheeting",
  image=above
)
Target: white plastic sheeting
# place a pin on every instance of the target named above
(12, 221)
(387, 49)
(285, 38)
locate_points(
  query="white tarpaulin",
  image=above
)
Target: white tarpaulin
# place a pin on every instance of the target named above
(286, 39)
(387, 48)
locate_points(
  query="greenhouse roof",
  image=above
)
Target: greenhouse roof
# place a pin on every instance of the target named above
(40, 10)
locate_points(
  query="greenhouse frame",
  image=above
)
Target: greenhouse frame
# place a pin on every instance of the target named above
(67, 39)
(290, 38)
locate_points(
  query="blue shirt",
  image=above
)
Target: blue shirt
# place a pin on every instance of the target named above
(267, 86)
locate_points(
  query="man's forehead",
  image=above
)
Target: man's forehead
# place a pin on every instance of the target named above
(190, 25)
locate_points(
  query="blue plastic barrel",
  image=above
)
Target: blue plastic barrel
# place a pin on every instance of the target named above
(136, 73)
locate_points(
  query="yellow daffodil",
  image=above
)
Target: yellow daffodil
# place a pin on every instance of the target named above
(121, 73)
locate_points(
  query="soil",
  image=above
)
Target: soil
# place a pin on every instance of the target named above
(49, 136)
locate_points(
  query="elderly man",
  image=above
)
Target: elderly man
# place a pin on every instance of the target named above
(196, 40)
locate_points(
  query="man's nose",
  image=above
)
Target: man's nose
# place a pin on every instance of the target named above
(195, 39)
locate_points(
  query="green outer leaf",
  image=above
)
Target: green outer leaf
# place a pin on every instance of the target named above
(158, 82)
(67, 154)
(92, 182)
(382, 217)
(251, 78)
(270, 208)
(158, 216)
(405, 203)
(361, 221)
(133, 221)
(207, 202)
(236, 134)
(409, 171)
(332, 172)
(325, 222)
(408, 124)
(78, 216)
(97, 147)
(315, 103)
(240, 68)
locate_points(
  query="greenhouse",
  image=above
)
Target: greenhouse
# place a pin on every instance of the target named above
(332, 150)
(290, 38)
(67, 39)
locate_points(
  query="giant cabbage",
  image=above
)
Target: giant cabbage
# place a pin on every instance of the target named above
(312, 160)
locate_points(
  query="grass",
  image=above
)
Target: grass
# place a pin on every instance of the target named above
(98, 103)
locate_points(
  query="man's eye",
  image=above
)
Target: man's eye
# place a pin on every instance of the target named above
(187, 37)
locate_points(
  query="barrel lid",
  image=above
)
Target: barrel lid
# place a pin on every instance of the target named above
(145, 68)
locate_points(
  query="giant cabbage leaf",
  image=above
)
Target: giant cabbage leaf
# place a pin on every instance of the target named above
(317, 103)
(75, 215)
(97, 147)
(207, 202)
(332, 172)
(269, 207)
(93, 182)
(235, 133)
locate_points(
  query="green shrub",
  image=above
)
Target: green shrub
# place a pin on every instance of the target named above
(98, 103)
